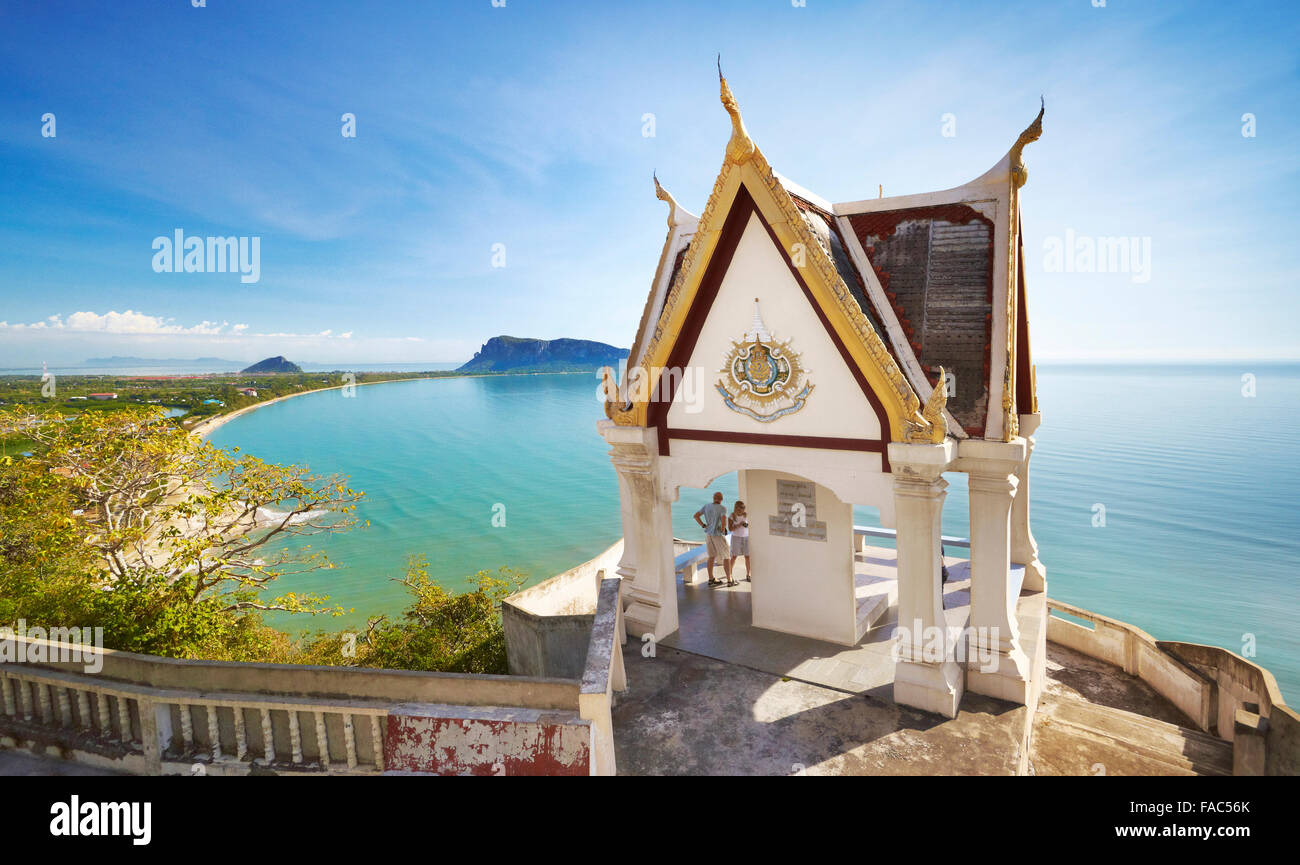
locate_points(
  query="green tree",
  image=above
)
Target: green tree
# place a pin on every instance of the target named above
(155, 535)
(442, 630)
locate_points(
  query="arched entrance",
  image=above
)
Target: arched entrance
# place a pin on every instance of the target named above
(811, 579)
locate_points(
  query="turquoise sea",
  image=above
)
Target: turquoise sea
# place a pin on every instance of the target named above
(1198, 481)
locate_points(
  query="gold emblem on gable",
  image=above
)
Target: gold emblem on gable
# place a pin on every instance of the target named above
(763, 378)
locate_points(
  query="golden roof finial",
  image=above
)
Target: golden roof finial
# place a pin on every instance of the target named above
(740, 147)
(614, 404)
(1019, 174)
(663, 195)
(932, 428)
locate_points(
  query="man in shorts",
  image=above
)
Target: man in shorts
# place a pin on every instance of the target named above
(714, 523)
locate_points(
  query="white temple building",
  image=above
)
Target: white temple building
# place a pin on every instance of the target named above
(836, 355)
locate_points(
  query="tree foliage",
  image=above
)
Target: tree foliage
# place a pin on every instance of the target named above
(442, 630)
(127, 522)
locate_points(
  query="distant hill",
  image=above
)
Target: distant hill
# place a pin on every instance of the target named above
(118, 360)
(516, 354)
(273, 364)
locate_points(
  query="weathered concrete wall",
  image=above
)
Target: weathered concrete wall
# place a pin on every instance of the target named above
(1136, 653)
(1219, 690)
(465, 740)
(604, 674)
(151, 715)
(462, 740)
(552, 646)
(1283, 742)
(572, 592)
(1104, 644)
(1244, 685)
(1175, 681)
(355, 683)
(548, 626)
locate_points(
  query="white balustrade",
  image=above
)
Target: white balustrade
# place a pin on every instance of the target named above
(37, 702)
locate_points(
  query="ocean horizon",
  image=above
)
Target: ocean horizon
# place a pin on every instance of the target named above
(1155, 498)
(200, 367)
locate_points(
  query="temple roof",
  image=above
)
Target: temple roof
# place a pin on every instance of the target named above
(934, 266)
(937, 278)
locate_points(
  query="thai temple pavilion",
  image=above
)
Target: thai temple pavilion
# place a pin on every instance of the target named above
(833, 355)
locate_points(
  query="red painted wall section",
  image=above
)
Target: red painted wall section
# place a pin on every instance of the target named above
(476, 740)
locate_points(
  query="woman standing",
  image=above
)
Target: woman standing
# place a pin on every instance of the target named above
(738, 522)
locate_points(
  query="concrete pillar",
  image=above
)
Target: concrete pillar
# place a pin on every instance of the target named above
(1249, 742)
(996, 665)
(926, 673)
(650, 583)
(1024, 549)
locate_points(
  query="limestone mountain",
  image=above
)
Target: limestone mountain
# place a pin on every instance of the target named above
(517, 354)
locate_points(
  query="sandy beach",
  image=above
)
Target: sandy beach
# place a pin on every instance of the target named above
(151, 548)
(204, 428)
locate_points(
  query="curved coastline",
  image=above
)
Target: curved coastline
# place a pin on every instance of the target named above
(204, 428)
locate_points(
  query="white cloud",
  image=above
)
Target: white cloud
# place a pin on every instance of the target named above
(71, 338)
(131, 323)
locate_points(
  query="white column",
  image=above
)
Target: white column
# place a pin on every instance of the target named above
(627, 516)
(1024, 549)
(926, 673)
(996, 665)
(650, 587)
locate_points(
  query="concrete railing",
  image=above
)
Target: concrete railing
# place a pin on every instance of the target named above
(1249, 710)
(571, 625)
(604, 674)
(152, 715)
(861, 533)
(154, 732)
(1136, 653)
(1221, 692)
(548, 625)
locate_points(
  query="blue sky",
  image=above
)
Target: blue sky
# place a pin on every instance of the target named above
(522, 126)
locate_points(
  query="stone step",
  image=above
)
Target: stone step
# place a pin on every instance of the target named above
(870, 610)
(1125, 742)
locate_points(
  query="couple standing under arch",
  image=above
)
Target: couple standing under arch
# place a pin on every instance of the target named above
(716, 522)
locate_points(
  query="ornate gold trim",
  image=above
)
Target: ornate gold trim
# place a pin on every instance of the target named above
(933, 414)
(609, 388)
(1034, 131)
(820, 261)
(663, 195)
(741, 146)
(883, 374)
(1019, 174)
(1033, 388)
